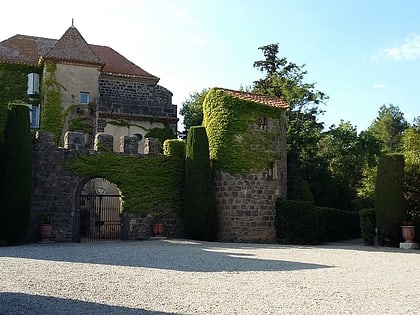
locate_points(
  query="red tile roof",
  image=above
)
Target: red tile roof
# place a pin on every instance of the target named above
(257, 98)
(116, 64)
(71, 47)
(24, 49)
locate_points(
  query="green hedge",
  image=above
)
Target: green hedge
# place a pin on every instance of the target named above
(199, 201)
(17, 175)
(389, 198)
(367, 225)
(296, 222)
(174, 147)
(336, 224)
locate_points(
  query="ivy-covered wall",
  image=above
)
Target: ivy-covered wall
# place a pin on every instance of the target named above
(247, 143)
(13, 87)
(146, 184)
(237, 144)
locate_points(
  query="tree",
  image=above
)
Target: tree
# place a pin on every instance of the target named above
(346, 154)
(285, 80)
(389, 127)
(199, 201)
(192, 110)
(17, 173)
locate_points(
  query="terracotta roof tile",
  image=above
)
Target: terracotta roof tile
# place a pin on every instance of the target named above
(72, 47)
(257, 98)
(116, 64)
(23, 49)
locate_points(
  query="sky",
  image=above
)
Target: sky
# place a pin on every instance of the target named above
(362, 53)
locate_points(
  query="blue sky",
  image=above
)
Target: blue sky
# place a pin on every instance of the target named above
(363, 54)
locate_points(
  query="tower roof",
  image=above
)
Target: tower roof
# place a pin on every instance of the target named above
(269, 100)
(72, 47)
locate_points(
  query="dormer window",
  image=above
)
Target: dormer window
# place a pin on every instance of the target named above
(84, 98)
(263, 123)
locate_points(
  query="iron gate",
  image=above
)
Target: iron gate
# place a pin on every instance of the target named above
(100, 217)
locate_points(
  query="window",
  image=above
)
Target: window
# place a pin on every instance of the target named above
(34, 116)
(84, 98)
(263, 123)
(33, 84)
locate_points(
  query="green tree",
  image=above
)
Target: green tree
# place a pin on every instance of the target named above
(389, 128)
(339, 147)
(285, 79)
(17, 175)
(346, 154)
(199, 200)
(192, 110)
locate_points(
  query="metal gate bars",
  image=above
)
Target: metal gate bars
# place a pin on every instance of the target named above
(100, 217)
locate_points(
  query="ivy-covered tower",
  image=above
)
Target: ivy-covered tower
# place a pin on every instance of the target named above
(247, 144)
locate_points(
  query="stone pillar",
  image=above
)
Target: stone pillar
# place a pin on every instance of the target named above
(103, 142)
(129, 145)
(151, 146)
(74, 141)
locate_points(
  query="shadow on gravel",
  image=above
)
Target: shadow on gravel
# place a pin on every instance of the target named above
(23, 304)
(187, 256)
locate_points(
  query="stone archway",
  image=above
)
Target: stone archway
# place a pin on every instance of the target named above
(98, 210)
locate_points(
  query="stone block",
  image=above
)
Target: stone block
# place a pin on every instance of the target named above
(409, 245)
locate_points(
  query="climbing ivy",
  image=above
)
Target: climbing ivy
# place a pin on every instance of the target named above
(146, 184)
(51, 111)
(13, 78)
(236, 144)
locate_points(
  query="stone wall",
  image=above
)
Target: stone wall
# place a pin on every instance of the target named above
(131, 97)
(56, 191)
(246, 205)
(53, 188)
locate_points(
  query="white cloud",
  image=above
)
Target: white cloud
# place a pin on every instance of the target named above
(408, 50)
(379, 86)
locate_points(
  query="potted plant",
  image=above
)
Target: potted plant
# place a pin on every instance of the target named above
(45, 227)
(157, 223)
(408, 231)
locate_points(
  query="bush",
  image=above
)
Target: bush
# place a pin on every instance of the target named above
(336, 224)
(17, 175)
(174, 147)
(296, 222)
(199, 200)
(389, 198)
(300, 190)
(367, 225)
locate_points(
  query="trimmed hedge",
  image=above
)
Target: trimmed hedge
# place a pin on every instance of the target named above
(296, 222)
(199, 200)
(17, 185)
(174, 147)
(367, 225)
(336, 224)
(389, 198)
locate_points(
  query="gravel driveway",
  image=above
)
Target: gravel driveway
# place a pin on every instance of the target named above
(188, 277)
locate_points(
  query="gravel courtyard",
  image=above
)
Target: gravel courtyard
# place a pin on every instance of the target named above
(188, 277)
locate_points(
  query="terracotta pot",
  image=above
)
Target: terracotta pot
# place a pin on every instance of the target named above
(158, 229)
(45, 231)
(408, 233)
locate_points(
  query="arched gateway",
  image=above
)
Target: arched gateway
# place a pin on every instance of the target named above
(98, 211)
